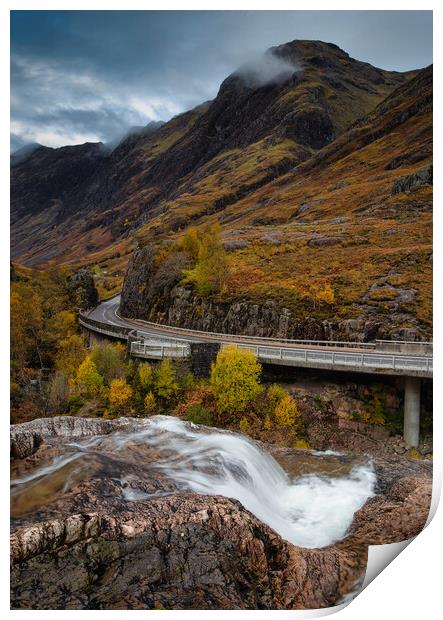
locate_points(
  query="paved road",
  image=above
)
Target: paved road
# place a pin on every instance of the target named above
(343, 356)
(107, 312)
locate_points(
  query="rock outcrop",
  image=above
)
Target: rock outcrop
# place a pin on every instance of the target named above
(156, 293)
(88, 548)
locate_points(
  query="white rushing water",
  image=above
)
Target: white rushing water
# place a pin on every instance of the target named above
(311, 510)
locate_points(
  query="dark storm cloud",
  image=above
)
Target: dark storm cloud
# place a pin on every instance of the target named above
(79, 76)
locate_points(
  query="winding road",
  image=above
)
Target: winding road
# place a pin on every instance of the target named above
(411, 360)
(380, 357)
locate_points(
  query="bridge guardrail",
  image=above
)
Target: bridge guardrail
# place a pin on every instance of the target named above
(160, 351)
(338, 358)
(104, 328)
(219, 336)
(398, 364)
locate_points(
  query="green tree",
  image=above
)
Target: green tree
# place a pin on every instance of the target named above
(89, 380)
(109, 360)
(166, 386)
(235, 379)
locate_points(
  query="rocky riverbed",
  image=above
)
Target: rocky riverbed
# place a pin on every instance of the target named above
(145, 514)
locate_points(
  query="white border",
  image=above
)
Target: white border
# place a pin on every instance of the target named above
(409, 587)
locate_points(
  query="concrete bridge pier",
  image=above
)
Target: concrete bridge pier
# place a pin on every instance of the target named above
(411, 431)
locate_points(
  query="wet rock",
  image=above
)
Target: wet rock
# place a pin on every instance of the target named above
(90, 549)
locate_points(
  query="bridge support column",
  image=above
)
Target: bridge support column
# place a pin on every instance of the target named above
(202, 356)
(411, 432)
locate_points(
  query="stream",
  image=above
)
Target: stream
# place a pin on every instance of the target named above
(309, 500)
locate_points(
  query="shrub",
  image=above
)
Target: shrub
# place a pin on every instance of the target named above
(199, 415)
(244, 426)
(325, 295)
(235, 379)
(302, 444)
(120, 393)
(88, 379)
(275, 393)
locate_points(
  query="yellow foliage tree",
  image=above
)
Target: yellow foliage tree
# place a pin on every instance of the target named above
(244, 426)
(70, 353)
(166, 385)
(150, 402)
(145, 375)
(235, 379)
(190, 243)
(89, 380)
(286, 412)
(212, 268)
(120, 393)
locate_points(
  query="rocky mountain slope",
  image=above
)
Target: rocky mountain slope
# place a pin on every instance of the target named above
(266, 118)
(355, 217)
(318, 167)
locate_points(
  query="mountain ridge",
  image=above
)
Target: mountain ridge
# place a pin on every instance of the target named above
(118, 193)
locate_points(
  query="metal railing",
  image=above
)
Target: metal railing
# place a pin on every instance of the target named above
(117, 331)
(152, 350)
(221, 337)
(312, 357)
(372, 360)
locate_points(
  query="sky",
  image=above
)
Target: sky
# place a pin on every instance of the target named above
(88, 76)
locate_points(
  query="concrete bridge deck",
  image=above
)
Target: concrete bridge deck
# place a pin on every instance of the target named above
(411, 360)
(153, 341)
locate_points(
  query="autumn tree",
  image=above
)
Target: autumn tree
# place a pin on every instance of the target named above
(190, 243)
(59, 392)
(109, 360)
(88, 379)
(150, 403)
(145, 376)
(212, 266)
(166, 386)
(70, 353)
(27, 327)
(286, 412)
(120, 393)
(235, 379)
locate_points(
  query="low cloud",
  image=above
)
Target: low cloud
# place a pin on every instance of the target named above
(90, 75)
(266, 69)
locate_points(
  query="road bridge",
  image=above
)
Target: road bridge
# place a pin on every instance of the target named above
(412, 360)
